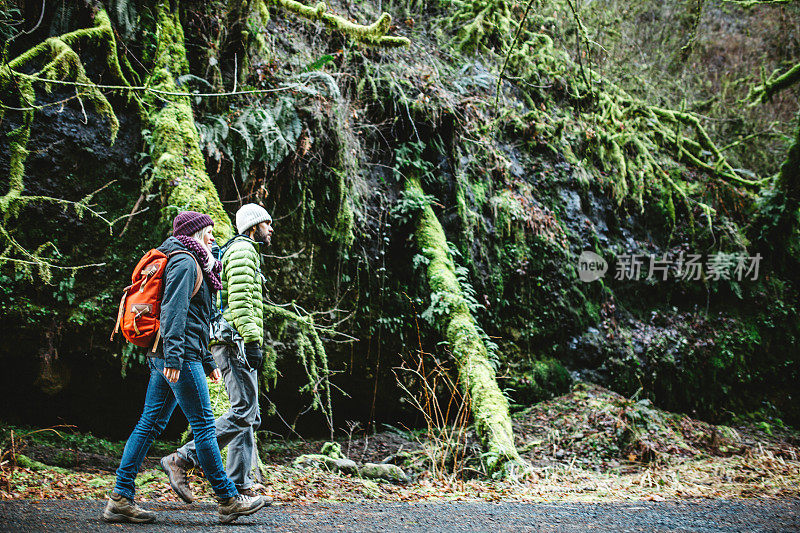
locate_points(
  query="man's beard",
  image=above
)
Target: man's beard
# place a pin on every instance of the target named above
(261, 236)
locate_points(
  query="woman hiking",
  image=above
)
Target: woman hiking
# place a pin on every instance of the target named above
(178, 370)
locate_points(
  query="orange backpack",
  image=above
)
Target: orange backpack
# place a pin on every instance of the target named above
(140, 307)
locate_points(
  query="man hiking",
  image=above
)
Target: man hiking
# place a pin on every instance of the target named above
(242, 305)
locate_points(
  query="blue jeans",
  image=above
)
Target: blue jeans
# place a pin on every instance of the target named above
(191, 393)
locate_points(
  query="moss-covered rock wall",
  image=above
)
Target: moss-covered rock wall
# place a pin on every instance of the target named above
(325, 134)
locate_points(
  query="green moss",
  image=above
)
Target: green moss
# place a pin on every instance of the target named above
(178, 163)
(476, 373)
(310, 351)
(332, 450)
(545, 379)
(57, 60)
(18, 140)
(64, 62)
(776, 224)
(61, 62)
(509, 215)
(372, 34)
(343, 226)
(31, 464)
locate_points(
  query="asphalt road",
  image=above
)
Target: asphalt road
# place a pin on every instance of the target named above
(704, 516)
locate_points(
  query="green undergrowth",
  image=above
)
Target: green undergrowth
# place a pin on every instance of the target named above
(598, 428)
(590, 444)
(70, 438)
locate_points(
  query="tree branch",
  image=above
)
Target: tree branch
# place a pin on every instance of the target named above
(373, 34)
(774, 84)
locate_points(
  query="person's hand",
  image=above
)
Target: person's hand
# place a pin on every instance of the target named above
(215, 375)
(172, 374)
(254, 354)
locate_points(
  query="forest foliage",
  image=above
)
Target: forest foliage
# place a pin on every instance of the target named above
(526, 131)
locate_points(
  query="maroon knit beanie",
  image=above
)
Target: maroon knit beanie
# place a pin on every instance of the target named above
(190, 222)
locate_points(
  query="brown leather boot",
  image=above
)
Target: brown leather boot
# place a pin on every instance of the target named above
(122, 509)
(230, 509)
(175, 467)
(254, 491)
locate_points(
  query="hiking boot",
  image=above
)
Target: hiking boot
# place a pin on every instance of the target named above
(122, 509)
(255, 491)
(175, 467)
(232, 508)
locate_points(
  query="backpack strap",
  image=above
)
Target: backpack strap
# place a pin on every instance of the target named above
(197, 283)
(199, 280)
(121, 311)
(224, 249)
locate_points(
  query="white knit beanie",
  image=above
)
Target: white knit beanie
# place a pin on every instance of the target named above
(249, 215)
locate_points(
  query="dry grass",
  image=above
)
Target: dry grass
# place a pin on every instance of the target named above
(757, 476)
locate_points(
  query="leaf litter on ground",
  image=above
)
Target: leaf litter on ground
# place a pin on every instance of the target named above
(589, 445)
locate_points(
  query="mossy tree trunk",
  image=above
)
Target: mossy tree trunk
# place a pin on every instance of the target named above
(178, 163)
(476, 373)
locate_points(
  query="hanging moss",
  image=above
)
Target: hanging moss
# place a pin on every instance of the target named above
(310, 352)
(17, 142)
(62, 62)
(476, 373)
(508, 214)
(347, 173)
(62, 65)
(614, 137)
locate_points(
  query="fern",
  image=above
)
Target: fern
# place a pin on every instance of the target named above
(9, 18)
(260, 133)
(125, 17)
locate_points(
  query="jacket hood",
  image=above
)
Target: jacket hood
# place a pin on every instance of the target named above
(173, 245)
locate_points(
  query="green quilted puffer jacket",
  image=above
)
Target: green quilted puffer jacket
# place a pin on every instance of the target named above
(241, 289)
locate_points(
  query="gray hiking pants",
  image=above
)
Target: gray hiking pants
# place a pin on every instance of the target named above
(236, 428)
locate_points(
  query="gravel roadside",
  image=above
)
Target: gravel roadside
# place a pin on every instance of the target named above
(705, 516)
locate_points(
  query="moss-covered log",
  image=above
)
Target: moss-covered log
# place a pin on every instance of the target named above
(373, 34)
(476, 374)
(178, 163)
